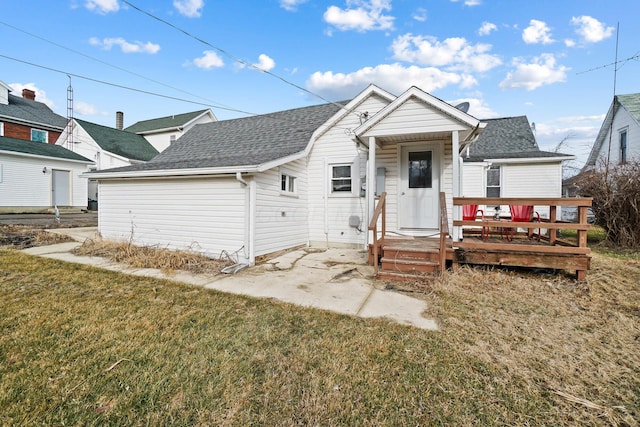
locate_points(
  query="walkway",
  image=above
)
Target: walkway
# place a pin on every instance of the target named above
(335, 279)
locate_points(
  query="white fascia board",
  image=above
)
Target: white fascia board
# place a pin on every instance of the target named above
(532, 160)
(158, 173)
(153, 131)
(37, 156)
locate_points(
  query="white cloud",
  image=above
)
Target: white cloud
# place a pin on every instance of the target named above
(265, 63)
(189, 8)
(420, 14)
(84, 108)
(291, 5)
(208, 60)
(395, 78)
(478, 108)
(569, 42)
(487, 28)
(102, 6)
(469, 3)
(537, 32)
(361, 15)
(590, 29)
(543, 70)
(41, 95)
(125, 46)
(456, 53)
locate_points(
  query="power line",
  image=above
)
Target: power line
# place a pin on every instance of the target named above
(112, 65)
(622, 61)
(228, 54)
(68, 73)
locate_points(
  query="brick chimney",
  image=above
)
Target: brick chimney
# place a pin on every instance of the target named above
(28, 94)
(119, 120)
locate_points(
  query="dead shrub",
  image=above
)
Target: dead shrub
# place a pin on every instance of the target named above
(151, 256)
(616, 201)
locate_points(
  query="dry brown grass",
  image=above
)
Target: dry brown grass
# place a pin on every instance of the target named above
(163, 259)
(579, 341)
(25, 236)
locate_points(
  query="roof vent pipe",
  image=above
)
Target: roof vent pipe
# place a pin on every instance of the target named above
(119, 120)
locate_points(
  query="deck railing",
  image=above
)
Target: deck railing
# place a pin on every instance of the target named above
(380, 211)
(444, 231)
(505, 226)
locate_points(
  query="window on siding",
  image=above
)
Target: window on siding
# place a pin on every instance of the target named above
(341, 178)
(38, 135)
(288, 183)
(172, 139)
(623, 146)
(493, 181)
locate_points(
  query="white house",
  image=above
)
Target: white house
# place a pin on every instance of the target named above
(619, 138)
(306, 176)
(35, 176)
(164, 131)
(106, 147)
(506, 161)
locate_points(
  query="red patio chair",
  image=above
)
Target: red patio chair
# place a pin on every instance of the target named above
(524, 213)
(470, 213)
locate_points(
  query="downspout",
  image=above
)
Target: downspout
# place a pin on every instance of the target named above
(250, 221)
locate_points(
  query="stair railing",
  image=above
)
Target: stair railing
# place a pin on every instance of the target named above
(380, 210)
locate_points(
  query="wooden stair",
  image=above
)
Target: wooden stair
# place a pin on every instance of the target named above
(408, 258)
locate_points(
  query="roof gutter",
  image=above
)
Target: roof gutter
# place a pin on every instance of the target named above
(167, 173)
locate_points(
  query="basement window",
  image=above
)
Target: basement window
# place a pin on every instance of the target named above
(38, 135)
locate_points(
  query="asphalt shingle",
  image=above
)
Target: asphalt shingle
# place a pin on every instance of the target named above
(31, 111)
(39, 149)
(169, 122)
(120, 142)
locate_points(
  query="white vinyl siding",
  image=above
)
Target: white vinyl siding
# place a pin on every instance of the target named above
(281, 221)
(414, 117)
(84, 145)
(533, 180)
(206, 215)
(329, 212)
(24, 184)
(623, 121)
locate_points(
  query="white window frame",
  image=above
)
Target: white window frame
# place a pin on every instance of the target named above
(623, 151)
(290, 180)
(1, 128)
(354, 186)
(46, 135)
(172, 139)
(499, 186)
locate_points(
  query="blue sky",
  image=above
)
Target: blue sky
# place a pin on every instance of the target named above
(544, 59)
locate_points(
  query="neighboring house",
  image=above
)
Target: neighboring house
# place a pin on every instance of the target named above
(619, 138)
(27, 119)
(306, 176)
(506, 161)
(106, 147)
(164, 131)
(36, 177)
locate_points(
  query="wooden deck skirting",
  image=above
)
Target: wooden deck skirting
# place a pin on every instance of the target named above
(550, 252)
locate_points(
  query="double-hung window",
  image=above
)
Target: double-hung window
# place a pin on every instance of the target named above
(341, 178)
(623, 146)
(493, 181)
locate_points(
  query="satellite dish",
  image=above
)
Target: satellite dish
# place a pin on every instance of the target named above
(463, 106)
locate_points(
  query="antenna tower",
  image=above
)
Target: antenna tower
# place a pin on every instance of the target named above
(70, 115)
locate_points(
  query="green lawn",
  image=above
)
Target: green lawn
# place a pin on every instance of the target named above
(82, 346)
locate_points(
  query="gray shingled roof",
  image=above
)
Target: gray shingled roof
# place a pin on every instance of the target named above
(507, 138)
(248, 141)
(169, 122)
(631, 103)
(120, 142)
(39, 149)
(35, 112)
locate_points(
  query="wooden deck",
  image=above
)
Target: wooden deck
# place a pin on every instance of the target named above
(486, 241)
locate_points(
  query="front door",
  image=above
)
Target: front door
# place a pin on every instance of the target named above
(418, 193)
